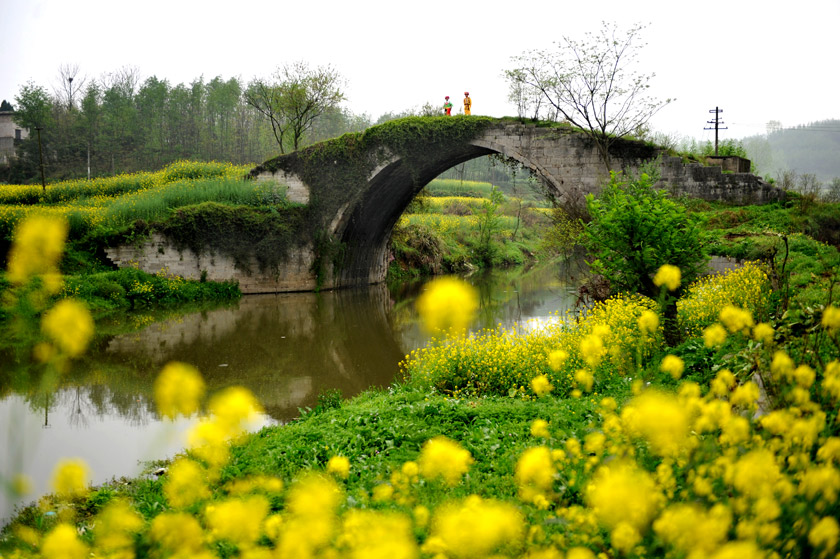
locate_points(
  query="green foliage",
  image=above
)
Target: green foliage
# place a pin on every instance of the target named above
(488, 228)
(635, 230)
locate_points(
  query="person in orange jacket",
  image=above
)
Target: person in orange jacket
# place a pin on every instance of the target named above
(467, 103)
(447, 107)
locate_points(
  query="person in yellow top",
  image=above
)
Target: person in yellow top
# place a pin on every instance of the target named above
(467, 103)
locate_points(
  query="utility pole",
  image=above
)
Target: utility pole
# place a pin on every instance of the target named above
(717, 122)
(41, 156)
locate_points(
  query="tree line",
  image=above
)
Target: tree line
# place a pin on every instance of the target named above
(121, 124)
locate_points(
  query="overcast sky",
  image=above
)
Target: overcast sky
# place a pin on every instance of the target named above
(757, 60)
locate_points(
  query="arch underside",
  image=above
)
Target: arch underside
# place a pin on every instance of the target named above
(366, 232)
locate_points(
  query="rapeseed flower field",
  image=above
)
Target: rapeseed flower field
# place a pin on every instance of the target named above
(584, 441)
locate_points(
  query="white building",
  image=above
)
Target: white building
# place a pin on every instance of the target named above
(9, 132)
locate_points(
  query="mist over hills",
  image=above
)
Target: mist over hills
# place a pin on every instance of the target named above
(812, 148)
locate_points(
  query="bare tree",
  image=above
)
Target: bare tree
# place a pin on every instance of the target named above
(592, 84)
(70, 85)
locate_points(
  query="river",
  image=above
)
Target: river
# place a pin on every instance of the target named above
(286, 348)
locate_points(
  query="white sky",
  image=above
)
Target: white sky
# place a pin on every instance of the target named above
(758, 60)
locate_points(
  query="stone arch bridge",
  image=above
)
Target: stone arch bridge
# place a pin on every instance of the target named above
(357, 187)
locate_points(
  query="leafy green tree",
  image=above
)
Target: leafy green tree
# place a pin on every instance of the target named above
(295, 99)
(591, 83)
(636, 229)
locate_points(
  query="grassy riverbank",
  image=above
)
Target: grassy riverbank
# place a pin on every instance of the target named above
(591, 438)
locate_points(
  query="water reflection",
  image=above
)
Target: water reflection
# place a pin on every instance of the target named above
(286, 348)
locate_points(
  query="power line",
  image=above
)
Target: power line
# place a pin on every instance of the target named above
(717, 122)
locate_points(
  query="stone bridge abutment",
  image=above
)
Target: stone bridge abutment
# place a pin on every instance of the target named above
(358, 186)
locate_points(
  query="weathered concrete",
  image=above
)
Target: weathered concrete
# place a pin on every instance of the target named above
(360, 215)
(159, 255)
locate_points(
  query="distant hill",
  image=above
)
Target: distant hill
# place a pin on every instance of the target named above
(813, 148)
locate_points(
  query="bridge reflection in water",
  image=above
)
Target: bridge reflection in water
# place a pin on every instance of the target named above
(286, 348)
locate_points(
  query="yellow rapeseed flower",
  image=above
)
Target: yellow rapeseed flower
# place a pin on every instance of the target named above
(443, 457)
(669, 276)
(736, 319)
(237, 520)
(477, 527)
(63, 543)
(539, 429)
(714, 335)
(185, 483)
(648, 322)
(233, 408)
(177, 534)
(692, 530)
(115, 528)
(339, 466)
(540, 385)
(69, 325)
(534, 473)
(37, 248)
(763, 333)
(672, 365)
(178, 390)
(367, 534)
(621, 492)
(824, 535)
(70, 478)
(447, 304)
(556, 359)
(831, 319)
(660, 419)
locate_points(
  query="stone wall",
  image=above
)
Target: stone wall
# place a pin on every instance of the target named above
(159, 255)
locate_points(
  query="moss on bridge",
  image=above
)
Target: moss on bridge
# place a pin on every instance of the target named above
(337, 170)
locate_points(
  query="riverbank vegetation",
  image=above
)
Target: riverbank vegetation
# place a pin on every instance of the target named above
(195, 204)
(604, 441)
(596, 436)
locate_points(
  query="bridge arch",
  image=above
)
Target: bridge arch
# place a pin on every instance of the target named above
(357, 186)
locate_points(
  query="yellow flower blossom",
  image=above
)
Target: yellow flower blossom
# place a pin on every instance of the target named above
(746, 395)
(37, 248)
(444, 458)
(63, 543)
(648, 322)
(672, 365)
(69, 325)
(540, 385)
(669, 276)
(177, 534)
(661, 420)
(447, 304)
(185, 483)
(693, 530)
(714, 335)
(237, 520)
(534, 473)
(178, 390)
(233, 408)
(339, 466)
(625, 537)
(592, 349)
(367, 534)
(763, 333)
(70, 478)
(116, 526)
(539, 429)
(825, 534)
(556, 359)
(477, 527)
(584, 379)
(735, 319)
(621, 492)
(831, 319)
